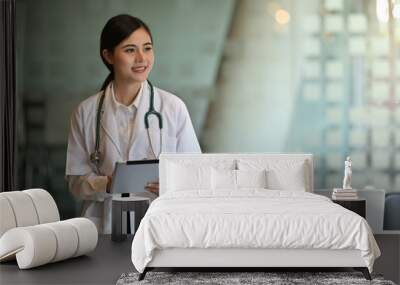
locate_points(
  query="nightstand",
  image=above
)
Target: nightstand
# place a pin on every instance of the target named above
(136, 204)
(358, 206)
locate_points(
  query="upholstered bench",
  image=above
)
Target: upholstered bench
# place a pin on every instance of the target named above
(31, 231)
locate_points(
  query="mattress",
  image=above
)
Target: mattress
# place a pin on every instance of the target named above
(250, 219)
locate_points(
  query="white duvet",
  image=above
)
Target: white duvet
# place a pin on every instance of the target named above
(250, 218)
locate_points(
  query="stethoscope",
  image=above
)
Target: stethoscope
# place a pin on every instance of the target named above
(96, 155)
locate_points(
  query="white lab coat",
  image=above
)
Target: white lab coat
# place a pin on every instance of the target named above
(177, 136)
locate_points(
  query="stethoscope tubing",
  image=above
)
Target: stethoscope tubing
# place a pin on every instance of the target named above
(95, 157)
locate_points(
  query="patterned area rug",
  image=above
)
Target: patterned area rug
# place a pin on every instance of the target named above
(229, 278)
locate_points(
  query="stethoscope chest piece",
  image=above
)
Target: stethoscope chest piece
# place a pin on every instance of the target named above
(95, 157)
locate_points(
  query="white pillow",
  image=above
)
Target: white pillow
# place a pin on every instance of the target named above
(281, 174)
(181, 177)
(223, 179)
(236, 179)
(251, 178)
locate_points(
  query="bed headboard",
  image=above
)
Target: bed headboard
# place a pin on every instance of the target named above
(236, 159)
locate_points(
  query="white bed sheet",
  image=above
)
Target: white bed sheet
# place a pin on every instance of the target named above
(250, 218)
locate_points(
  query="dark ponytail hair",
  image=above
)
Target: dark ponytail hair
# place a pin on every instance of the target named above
(115, 31)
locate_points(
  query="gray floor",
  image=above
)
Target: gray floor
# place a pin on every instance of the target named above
(110, 259)
(389, 262)
(103, 266)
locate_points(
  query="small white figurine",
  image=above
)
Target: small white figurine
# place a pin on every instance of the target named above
(347, 174)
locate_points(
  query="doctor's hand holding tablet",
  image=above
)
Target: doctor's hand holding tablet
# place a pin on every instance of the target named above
(128, 119)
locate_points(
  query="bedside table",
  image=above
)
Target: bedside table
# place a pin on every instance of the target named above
(137, 204)
(358, 206)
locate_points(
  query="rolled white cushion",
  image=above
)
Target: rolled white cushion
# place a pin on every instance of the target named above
(37, 245)
(45, 205)
(23, 208)
(7, 218)
(67, 240)
(26, 208)
(33, 246)
(87, 234)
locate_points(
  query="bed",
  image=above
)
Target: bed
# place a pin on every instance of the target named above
(246, 211)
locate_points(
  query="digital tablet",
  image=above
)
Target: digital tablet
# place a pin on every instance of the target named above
(132, 176)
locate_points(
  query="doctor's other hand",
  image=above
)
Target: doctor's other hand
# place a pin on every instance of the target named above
(152, 187)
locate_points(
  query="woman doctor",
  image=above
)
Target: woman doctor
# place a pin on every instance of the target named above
(126, 48)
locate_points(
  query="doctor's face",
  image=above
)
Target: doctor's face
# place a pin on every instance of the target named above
(133, 58)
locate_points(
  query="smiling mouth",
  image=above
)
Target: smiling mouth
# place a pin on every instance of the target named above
(139, 69)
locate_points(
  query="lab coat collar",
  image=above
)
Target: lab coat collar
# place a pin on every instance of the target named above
(133, 105)
(108, 120)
